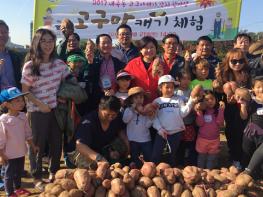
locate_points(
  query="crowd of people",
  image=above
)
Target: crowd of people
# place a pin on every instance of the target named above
(127, 103)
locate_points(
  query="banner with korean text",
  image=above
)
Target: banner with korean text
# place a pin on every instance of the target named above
(219, 19)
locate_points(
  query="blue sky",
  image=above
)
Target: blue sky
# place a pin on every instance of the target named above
(19, 13)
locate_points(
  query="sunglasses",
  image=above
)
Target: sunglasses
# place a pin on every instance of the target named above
(235, 61)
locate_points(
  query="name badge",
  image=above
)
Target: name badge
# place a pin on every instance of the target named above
(208, 118)
(106, 82)
(260, 111)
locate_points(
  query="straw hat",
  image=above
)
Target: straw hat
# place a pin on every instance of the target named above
(135, 90)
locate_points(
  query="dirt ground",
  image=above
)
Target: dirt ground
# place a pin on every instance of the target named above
(27, 183)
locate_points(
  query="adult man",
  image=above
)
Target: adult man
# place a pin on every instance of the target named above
(170, 59)
(67, 28)
(243, 41)
(204, 51)
(97, 136)
(124, 50)
(10, 62)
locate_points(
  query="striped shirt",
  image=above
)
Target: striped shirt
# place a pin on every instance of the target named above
(45, 86)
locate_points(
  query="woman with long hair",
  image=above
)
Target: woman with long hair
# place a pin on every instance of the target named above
(41, 77)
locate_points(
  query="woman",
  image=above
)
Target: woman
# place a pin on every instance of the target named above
(41, 77)
(142, 68)
(234, 70)
(97, 134)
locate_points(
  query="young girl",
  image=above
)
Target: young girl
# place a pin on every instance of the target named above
(201, 72)
(137, 126)
(253, 133)
(169, 120)
(14, 132)
(123, 81)
(186, 152)
(234, 69)
(209, 121)
(41, 77)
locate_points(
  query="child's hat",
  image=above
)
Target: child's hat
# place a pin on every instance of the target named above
(123, 74)
(10, 93)
(76, 58)
(135, 90)
(167, 79)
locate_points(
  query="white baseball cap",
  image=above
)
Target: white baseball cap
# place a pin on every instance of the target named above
(167, 79)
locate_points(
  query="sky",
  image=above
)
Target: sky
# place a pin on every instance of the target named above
(18, 14)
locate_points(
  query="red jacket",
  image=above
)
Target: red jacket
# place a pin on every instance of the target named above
(143, 78)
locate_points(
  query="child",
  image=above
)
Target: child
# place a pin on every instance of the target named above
(201, 72)
(75, 63)
(209, 121)
(186, 151)
(253, 133)
(137, 126)
(14, 131)
(169, 120)
(123, 80)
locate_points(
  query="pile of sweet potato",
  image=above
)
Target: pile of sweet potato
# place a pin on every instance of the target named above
(151, 181)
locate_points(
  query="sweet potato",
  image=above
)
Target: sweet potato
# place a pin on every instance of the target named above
(117, 186)
(46, 194)
(169, 176)
(235, 188)
(161, 167)
(116, 165)
(75, 193)
(145, 182)
(153, 192)
(65, 173)
(68, 184)
(49, 186)
(177, 172)
(64, 194)
(177, 190)
(82, 179)
(166, 193)
(119, 171)
(135, 174)
(233, 170)
(191, 174)
(111, 194)
(128, 181)
(159, 182)
(211, 192)
(138, 191)
(226, 193)
(220, 178)
(148, 169)
(244, 180)
(198, 192)
(106, 183)
(56, 190)
(186, 193)
(126, 169)
(114, 174)
(102, 169)
(100, 192)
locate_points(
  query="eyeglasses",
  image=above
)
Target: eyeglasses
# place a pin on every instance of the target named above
(235, 61)
(124, 34)
(46, 41)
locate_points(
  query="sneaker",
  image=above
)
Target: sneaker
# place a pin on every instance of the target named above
(22, 192)
(237, 164)
(39, 185)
